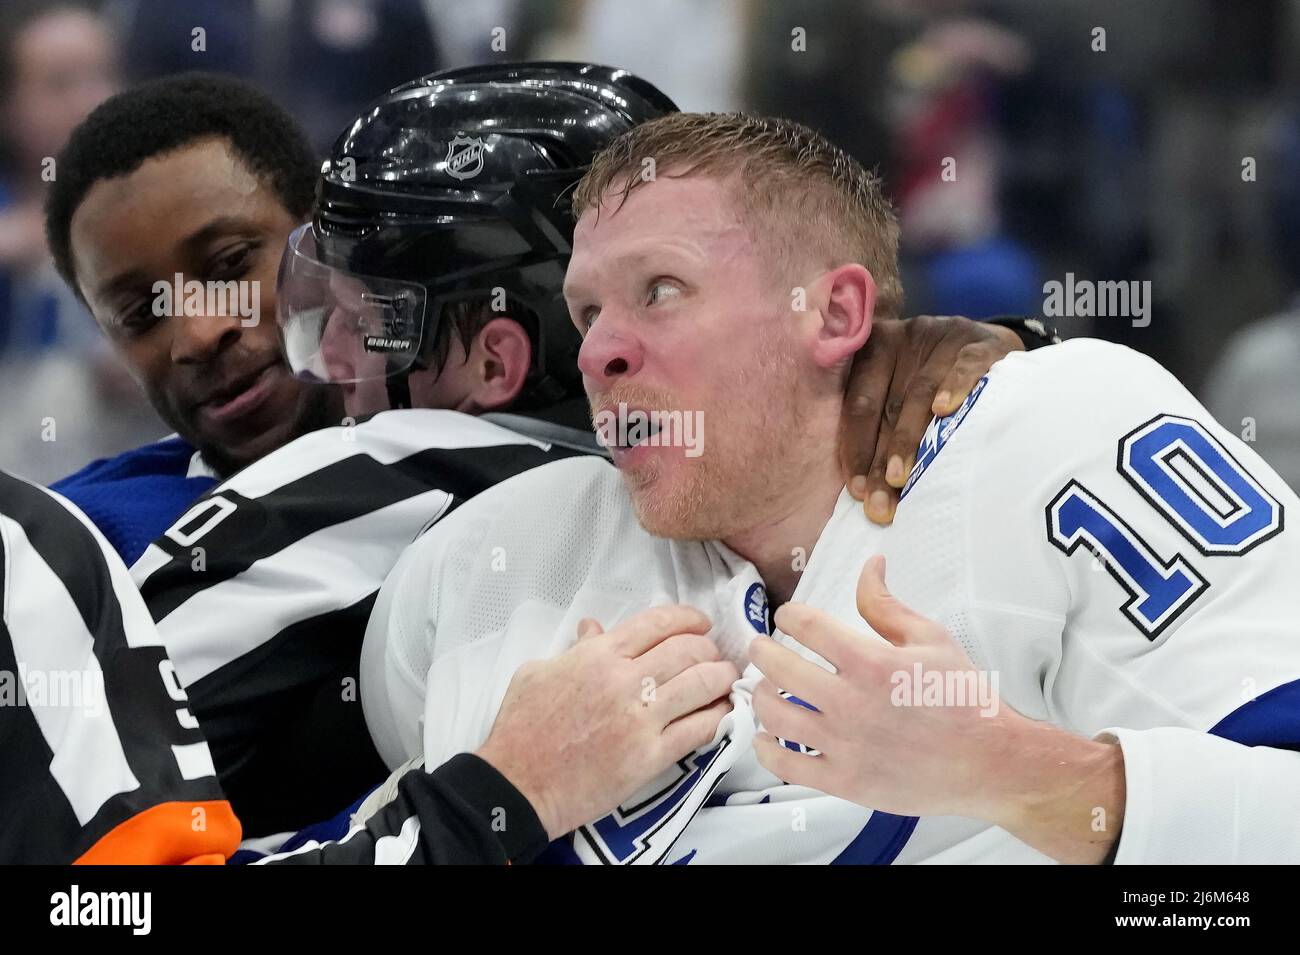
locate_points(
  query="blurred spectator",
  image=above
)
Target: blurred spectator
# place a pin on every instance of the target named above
(65, 398)
(58, 61)
(956, 256)
(904, 87)
(465, 31)
(833, 77)
(1125, 144)
(323, 59)
(1254, 389)
(62, 411)
(691, 49)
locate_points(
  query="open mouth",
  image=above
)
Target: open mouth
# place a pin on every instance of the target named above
(633, 437)
(640, 436)
(620, 428)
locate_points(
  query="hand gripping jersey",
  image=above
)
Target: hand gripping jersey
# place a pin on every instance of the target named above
(101, 760)
(262, 589)
(1081, 525)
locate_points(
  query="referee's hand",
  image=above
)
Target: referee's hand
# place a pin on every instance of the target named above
(580, 733)
(908, 372)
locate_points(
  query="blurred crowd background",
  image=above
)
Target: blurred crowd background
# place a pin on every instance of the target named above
(1119, 163)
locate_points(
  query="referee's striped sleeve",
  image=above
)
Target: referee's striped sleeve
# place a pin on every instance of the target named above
(464, 812)
(102, 760)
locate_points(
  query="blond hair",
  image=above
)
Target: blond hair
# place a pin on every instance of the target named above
(801, 195)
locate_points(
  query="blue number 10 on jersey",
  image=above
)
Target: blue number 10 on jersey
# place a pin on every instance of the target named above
(1204, 492)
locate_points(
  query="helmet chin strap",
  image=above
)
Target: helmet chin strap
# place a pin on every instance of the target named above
(399, 390)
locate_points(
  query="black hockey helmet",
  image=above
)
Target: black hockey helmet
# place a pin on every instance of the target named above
(452, 187)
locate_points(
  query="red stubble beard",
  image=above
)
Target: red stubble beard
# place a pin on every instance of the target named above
(664, 484)
(668, 492)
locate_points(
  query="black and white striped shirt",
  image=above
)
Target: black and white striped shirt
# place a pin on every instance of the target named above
(262, 591)
(101, 758)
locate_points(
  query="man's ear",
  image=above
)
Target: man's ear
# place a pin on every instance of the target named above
(847, 304)
(499, 360)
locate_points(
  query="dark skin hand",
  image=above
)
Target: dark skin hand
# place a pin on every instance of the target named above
(908, 372)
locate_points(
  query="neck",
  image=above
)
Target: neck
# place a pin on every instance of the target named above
(782, 544)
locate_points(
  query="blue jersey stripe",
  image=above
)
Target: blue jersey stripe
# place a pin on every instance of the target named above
(879, 842)
(1269, 720)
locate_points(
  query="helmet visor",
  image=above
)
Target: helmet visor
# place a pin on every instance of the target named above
(338, 326)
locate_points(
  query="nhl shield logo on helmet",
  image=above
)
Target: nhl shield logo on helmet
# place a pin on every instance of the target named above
(464, 157)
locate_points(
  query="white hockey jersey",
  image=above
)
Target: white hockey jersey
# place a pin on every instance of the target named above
(1081, 525)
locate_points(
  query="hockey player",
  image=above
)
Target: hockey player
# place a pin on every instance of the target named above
(201, 176)
(429, 278)
(1112, 666)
